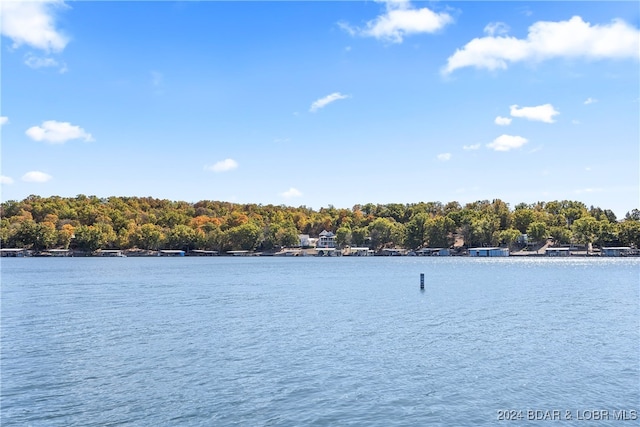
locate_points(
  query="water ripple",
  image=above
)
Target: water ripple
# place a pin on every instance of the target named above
(275, 342)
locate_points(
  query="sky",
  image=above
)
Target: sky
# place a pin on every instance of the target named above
(322, 103)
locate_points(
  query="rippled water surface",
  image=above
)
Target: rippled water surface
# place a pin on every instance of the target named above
(315, 341)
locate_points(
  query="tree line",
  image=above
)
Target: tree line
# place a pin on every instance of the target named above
(90, 223)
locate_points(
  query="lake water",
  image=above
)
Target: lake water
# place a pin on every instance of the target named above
(318, 341)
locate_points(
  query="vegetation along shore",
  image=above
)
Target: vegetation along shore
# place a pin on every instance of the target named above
(89, 223)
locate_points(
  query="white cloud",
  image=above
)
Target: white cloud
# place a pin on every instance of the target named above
(6, 179)
(590, 101)
(588, 190)
(323, 102)
(400, 19)
(223, 166)
(40, 62)
(291, 192)
(348, 28)
(443, 157)
(503, 121)
(56, 132)
(574, 38)
(575, 122)
(541, 113)
(507, 142)
(494, 28)
(36, 176)
(471, 147)
(4, 120)
(33, 61)
(32, 23)
(525, 11)
(535, 150)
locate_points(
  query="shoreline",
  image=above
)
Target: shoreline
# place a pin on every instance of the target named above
(287, 252)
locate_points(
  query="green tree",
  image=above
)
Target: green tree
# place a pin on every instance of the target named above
(509, 236)
(5, 232)
(25, 234)
(46, 236)
(213, 239)
(10, 208)
(268, 238)
(629, 232)
(172, 218)
(416, 230)
(149, 237)
(438, 232)
(561, 235)
(343, 236)
(243, 237)
(607, 232)
(385, 232)
(634, 215)
(602, 214)
(287, 236)
(573, 210)
(359, 236)
(88, 238)
(182, 237)
(108, 237)
(501, 210)
(585, 229)
(484, 231)
(522, 219)
(537, 231)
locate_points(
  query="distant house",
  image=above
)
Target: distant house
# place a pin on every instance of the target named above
(305, 241)
(488, 252)
(615, 251)
(326, 240)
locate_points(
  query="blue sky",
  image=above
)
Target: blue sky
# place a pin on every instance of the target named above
(318, 103)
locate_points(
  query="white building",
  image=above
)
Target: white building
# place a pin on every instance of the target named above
(305, 241)
(327, 240)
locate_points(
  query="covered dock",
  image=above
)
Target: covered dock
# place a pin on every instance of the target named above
(14, 252)
(488, 252)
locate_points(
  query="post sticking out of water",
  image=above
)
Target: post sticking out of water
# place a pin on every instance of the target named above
(421, 280)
